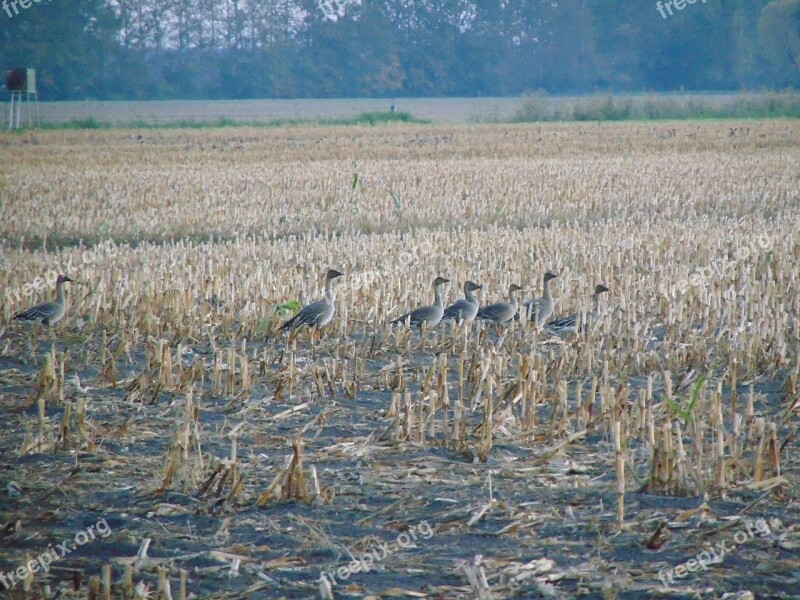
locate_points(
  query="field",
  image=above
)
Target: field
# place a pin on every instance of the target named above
(166, 439)
(449, 110)
(530, 108)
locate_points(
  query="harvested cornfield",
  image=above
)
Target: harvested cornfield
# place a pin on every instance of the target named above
(167, 440)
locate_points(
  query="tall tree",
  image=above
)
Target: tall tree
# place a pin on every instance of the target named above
(69, 44)
(291, 48)
(779, 35)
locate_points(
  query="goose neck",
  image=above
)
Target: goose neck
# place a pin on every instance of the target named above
(60, 292)
(329, 295)
(546, 293)
(512, 298)
(437, 296)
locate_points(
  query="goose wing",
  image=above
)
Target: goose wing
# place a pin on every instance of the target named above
(461, 309)
(424, 314)
(309, 316)
(499, 312)
(567, 322)
(38, 312)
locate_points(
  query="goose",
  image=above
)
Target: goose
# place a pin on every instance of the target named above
(569, 324)
(465, 309)
(430, 315)
(317, 314)
(540, 309)
(501, 312)
(48, 313)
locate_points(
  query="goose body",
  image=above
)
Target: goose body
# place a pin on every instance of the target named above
(501, 312)
(48, 313)
(569, 324)
(540, 309)
(430, 315)
(317, 314)
(465, 309)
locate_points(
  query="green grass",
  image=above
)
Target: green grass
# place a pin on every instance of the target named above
(769, 105)
(538, 107)
(378, 117)
(366, 118)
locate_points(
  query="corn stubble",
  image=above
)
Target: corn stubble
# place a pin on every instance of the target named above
(209, 245)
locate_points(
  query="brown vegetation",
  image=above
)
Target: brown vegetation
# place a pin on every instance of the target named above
(169, 405)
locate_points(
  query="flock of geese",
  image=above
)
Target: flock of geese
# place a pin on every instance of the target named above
(318, 314)
(538, 311)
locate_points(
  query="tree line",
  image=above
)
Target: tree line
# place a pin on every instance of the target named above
(162, 49)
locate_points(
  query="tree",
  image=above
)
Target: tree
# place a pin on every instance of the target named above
(69, 43)
(779, 38)
(140, 49)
